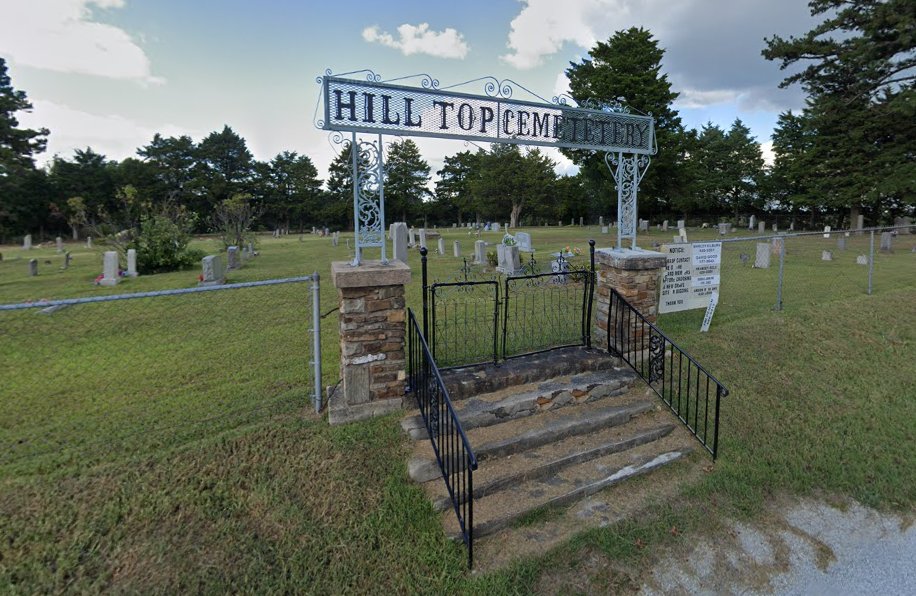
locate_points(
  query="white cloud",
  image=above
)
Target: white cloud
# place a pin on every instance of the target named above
(695, 98)
(766, 150)
(419, 39)
(60, 35)
(114, 136)
(541, 28)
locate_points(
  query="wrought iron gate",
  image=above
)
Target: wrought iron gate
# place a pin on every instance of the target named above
(472, 320)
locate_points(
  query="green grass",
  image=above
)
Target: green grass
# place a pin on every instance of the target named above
(165, 445)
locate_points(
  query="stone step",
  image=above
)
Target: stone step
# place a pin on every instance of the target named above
(517, 402)
(503, 508)
(472, 381)
(498, 474)
(522, 434)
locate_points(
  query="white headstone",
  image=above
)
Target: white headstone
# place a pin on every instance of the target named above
(233, 260)
(680, 224)
(723, 229)
(665, 226)
(399, 241)
(860, 222)
(27, 242)
(826, 255)
(581, 221)
(89, 242)
(861, 260)
(441, 249)
(886, 242)
(753, 223)
(643, 225)
(601, 220)
(683, 234)
(454, 225)
(524, 241)
(110, 269)
(775, 228)
(604, 229)
(495, 227)
(841, 243)
(509, 260)
(762, 261)
(411, 238)
(131, 262)
(33, 267)
(677, 239)
(826, 231)
(480, 252)
(423, 238)
(60, 244)
(212, 272)
(456, 248)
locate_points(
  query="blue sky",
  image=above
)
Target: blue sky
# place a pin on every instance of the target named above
(110, 73)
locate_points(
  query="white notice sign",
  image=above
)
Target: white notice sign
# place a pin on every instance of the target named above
(691, 275)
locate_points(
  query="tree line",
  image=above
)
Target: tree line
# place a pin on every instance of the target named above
(850, 151)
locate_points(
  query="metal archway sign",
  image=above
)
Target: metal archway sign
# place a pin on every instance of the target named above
(371, 106)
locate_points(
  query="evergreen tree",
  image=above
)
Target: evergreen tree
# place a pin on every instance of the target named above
(859, 73)
(290, 190)
(406, 179)
(454, 199)
(338, 209)
(173, 160)
(507, 180)
(225, 167)
(628, 66)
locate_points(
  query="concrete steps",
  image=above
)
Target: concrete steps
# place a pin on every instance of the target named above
(549, 441)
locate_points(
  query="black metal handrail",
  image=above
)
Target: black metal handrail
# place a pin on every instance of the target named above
(682, 383)
(453, 452)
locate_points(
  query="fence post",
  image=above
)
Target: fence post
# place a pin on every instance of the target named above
(871, 259)
(423, 253)
(316, 340)
(591, 293)
(782, 262)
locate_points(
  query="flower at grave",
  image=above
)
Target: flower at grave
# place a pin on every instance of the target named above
(99, 279)
(509, 240)
(200, 277)
(577, 251)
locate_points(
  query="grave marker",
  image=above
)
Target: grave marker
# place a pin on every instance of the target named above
(826, 231)
(232, 258)
(605, 230)
(861, 260)
(887, 243)
(213, 273)
(27, 242)
(60, 245)
(399, 242)
(441, 249)
(753, 223)
(680, 224)
(423, 238)
(110, 269)
(456, 248)
(131, 262)
(67, 259)
(761, 227)
(89, 242)
(762, 261)
(33, 267)
(480, 252)
(841, 243)
(826, 255)
(524, 241)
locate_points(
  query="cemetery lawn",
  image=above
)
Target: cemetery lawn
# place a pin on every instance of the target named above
(275, 500)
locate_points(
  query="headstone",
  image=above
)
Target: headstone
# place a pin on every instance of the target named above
(601, 220)
(60, 245)
(572, 221)
(509, 260)
(335, 240)
(494, 227)
(683, 234)
(411, 238)
(723, 229)
(581, 221)
(841, 243)
(131, 262)
(524, 241)
(399, 241)
(604, 230)
(775, 228)
(644, 225)
(456, 248)
(67, 258)
(232, 258)
(89, 242)
(763, 256)
(250, 249)
(110, 269)
(886, 242)
(665, 226)
(505, 226)
(677, 239)
(753, 223)
(454, 225)
(860, 223)
(480, 252)
(212, 273)
(826, 255)
(33, 267)
(792, 227)
(441, 249)
(423, 238)
(826, 231)
(861, 260)
(681, 224)
(27, 242)
(761, 227)
(559, 224)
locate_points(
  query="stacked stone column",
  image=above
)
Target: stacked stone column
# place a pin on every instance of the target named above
(636, 275)
(372, 331)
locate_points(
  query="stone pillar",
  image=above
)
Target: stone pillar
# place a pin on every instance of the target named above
(372, 331)
(636, 275)
(131, 262)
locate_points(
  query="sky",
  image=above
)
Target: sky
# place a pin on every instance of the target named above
(109, 74)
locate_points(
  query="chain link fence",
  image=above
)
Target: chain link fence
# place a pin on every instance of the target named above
(792, 270)
(92, 379)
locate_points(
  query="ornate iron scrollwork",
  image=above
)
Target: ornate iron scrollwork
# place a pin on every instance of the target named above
(656, 357)
(628, 170)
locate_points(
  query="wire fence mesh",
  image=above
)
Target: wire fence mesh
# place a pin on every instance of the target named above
(86, 380)
(793, 270)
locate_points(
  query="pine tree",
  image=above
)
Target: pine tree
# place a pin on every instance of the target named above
(406, 179)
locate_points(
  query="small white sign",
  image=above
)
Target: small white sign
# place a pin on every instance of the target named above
(691, 275)
(710, 310)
